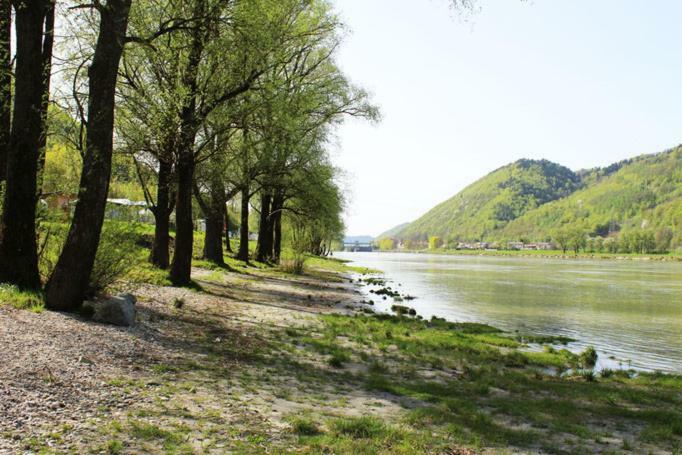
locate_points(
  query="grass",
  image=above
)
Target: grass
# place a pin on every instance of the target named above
(456, 385)
(305, 426)
(24, 300)
(360, 427)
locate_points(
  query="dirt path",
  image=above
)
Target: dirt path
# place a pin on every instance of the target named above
(62, 377)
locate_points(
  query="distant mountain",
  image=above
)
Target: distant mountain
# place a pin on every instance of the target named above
(532, 199)
(644, 192)
(358, 238)
(488, 205)
(393, 232)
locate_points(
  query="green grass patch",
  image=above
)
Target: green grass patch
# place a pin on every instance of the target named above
(23, 300)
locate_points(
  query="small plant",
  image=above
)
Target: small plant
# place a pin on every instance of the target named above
(359, 427)
(588, 375)
(338, 359)
(403, 310)
(114, 447)
(305, 426)
(588, 358)
(606, 373)
(178, 302)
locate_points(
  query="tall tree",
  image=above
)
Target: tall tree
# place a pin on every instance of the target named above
(5, 83)
(18, 249)
(48, 46)
(69, 282)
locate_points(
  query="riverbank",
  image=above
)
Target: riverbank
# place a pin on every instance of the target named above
(255, 360)
(549, 254)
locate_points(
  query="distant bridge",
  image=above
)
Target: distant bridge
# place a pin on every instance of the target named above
(358, 246)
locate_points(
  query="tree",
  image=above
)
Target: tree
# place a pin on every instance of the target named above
(435, 242)
(386, 244)
(664, 238)
(5, 84)
(68, 284)
(577, 239)
(562, 238)
(18, 248)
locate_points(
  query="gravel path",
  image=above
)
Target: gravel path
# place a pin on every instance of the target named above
(55, 371)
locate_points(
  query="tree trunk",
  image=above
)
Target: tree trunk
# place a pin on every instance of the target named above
(264, 249)
(277, 206)
(214, 214)
(70, 281)
(164, 206)
(48, 44)
(181, 268)
(18, 248)
(228, 244)
(213, 242)
(5, 84)
(243, 254)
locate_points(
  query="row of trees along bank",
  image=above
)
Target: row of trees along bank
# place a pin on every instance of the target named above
(208, 100)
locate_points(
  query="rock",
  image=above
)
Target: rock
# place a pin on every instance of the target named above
(118, 310)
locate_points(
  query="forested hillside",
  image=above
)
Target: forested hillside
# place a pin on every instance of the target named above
(532, 200)
(645, 193)
(488, 205)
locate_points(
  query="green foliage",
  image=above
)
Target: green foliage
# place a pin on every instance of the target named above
(642, 194)
(23, 300)
(588, 358)
(386, 244)
(62, 169)
(117, 254)
(435, 242)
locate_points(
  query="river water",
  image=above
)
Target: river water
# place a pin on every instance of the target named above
(630, 311)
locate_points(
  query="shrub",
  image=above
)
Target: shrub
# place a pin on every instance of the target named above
(295, 266)
(116, 253)
(588, 358)
(115, 256)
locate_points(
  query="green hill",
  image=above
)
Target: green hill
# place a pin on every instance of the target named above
(642, 193)
(533, 199)
(485, 207)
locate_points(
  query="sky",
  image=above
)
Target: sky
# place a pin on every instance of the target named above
(582, 83)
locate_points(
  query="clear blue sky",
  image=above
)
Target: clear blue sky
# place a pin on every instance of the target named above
(583, 83)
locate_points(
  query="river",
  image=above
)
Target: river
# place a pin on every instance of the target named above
(630, 311)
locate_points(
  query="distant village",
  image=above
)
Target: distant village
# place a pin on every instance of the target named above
(390, 244)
